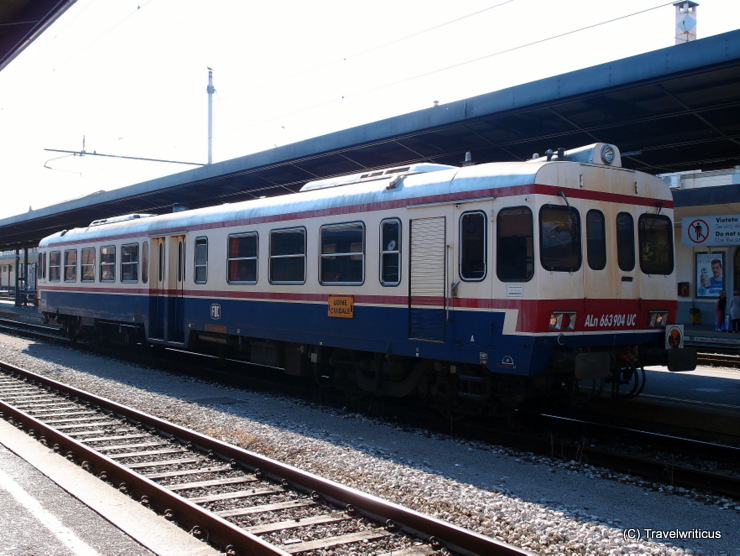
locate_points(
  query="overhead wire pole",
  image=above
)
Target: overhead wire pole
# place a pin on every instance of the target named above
(210, 90)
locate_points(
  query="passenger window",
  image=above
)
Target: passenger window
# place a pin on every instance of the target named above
(70, 265)
(473, 246)
(560, 238)
(625, 241)
(108, 263)
(242, 258)
(342, 254)
(55, 266)
(656, 244)
(288, 256)
(130, 262)
(390, 252)
(596, 239)
(201, 260)
(87, 264)
(514, 245)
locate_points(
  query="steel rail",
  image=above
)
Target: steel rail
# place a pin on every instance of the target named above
(417, 524)
(715, 359)
(673, 472)
(221, 532)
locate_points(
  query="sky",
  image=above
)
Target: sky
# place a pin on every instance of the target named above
(129, 78)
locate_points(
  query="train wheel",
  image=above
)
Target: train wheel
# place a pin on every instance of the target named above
(72, 329)
(629, 374)
(324, 376)
(592, 388)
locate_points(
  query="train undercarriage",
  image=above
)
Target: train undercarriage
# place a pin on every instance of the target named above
(572, 374)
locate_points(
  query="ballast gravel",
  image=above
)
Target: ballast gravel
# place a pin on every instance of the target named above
(542, 505)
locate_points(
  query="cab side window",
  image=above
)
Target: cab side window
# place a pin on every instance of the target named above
(473, 246)
(514, 245)
(390, 252)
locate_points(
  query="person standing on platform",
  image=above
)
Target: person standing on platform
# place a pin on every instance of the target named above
(721, 307)
(735, 311)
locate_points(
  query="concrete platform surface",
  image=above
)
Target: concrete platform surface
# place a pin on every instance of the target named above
(50, 506)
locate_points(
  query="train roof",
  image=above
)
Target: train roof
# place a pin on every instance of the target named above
(379, 190)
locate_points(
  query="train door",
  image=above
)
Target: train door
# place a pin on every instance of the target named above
(176, 301)
(167, 284)
(157, 269)
(427, 278)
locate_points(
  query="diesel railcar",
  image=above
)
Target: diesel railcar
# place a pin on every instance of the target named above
(458, 285)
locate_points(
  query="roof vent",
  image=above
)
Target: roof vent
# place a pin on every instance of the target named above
(122, 218)
(375, 175)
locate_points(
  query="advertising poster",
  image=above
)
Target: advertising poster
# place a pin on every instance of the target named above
(710, 274)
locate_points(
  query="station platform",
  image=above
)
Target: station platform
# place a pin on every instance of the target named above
(705, 336)
(24, 313)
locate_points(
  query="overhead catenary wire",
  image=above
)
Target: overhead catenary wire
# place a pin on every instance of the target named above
(343, 97)
(515, 48)
(371, 49)
(375, 86)
(94, 153)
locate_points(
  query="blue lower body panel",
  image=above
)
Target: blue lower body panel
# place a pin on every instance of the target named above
(459, 336)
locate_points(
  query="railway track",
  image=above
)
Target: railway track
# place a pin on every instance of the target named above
(35, 330)
(668, 464)
(237, 501)
(665, 458)
(719, 359)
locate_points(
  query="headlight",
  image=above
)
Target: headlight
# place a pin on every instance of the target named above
(562, 320)
(608, 154)
(658, 319)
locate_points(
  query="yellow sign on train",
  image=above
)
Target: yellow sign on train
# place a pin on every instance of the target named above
(342, 306)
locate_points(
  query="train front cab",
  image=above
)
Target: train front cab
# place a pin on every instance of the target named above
(605, 280)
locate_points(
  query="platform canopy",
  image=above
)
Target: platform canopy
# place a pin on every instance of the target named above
(21, 21)
(670, 110)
